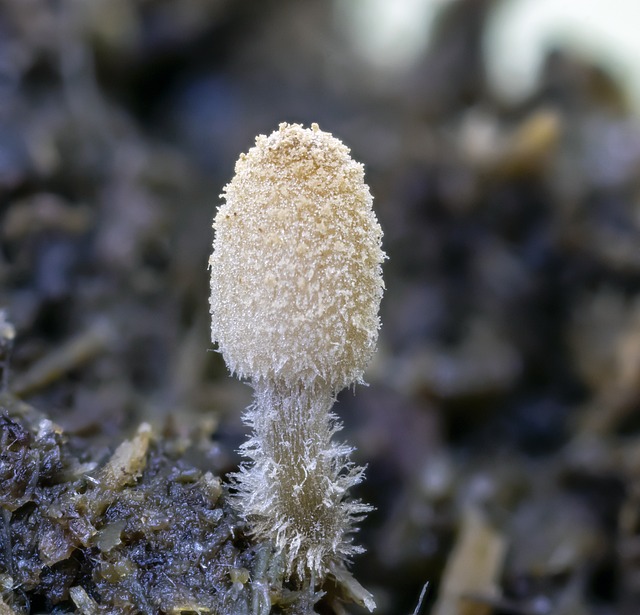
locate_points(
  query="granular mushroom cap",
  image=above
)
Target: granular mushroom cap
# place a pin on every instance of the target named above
(296, 278)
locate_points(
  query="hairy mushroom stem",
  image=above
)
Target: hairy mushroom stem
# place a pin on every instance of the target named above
(305, 510)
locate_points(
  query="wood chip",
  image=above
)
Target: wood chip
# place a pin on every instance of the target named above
(473, 568)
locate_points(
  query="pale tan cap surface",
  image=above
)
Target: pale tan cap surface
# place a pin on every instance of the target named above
(296, 277)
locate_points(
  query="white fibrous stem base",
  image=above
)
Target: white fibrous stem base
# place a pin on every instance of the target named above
(294, 490)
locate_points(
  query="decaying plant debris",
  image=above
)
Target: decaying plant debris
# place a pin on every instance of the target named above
(142, 531)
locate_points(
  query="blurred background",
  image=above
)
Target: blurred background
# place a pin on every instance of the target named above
(501, 142)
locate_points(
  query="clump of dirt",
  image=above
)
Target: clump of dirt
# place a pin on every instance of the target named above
(143, 531)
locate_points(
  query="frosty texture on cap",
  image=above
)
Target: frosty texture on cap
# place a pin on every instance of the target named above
(296, 275)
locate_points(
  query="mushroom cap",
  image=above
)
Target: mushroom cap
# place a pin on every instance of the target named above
(296, 278)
